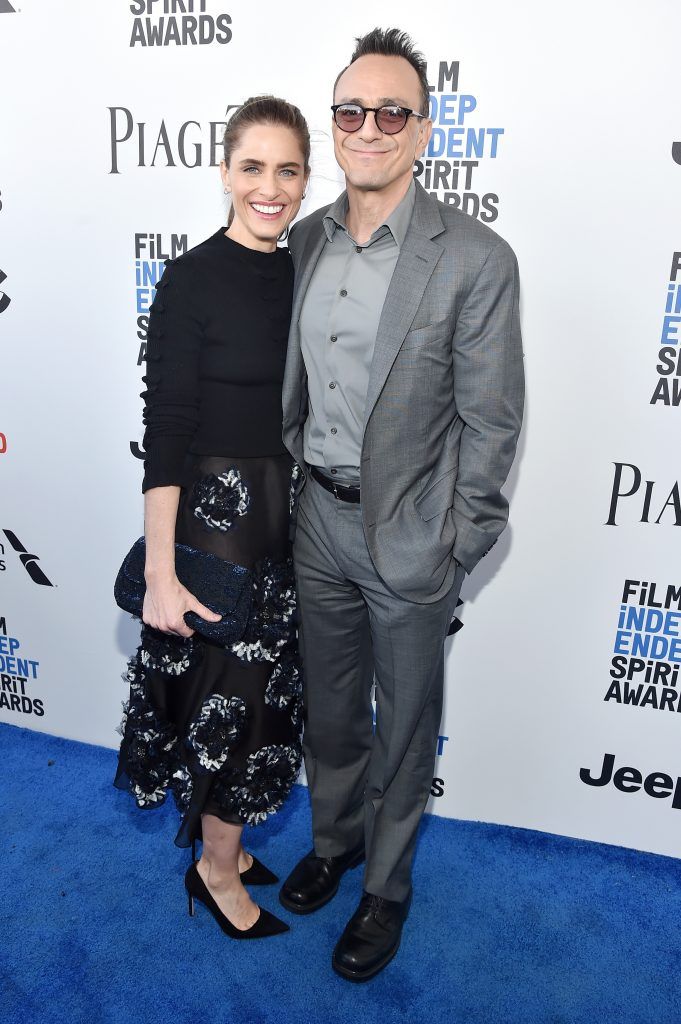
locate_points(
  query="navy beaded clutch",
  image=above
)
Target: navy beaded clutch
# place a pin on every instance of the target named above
(223, 587)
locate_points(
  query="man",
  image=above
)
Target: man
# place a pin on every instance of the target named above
(403, 399)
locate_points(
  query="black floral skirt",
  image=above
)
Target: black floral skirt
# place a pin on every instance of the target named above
(219, 727)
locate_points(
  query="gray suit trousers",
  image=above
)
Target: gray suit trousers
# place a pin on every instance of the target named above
(365, 784)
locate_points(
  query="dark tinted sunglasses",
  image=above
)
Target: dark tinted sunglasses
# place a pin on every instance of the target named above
(389, 119)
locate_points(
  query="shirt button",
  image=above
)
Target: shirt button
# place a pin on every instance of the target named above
(334, 430)
(343, 293)
(358, 248)
(334, 471)
(334, 337)
(332, 385)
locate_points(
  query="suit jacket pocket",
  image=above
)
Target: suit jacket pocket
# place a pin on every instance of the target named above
(437, 497)
(422, 335)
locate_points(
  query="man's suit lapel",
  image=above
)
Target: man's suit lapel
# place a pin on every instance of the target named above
(415, 265)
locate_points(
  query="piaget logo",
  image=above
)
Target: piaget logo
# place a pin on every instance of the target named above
(654, 503)
(161, 144)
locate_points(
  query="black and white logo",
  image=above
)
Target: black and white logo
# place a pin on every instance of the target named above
(28, 560)
(630, 780)
(4, 299)
(163, 143)
(656, 503)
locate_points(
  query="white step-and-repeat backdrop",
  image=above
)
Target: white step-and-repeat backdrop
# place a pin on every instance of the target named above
(558, 127)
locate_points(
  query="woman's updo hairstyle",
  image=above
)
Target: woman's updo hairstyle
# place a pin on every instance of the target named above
(270, 110)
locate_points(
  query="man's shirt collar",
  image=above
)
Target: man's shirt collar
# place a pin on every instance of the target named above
(396, 222)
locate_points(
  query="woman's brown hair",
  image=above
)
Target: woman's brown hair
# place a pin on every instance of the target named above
(269, 110)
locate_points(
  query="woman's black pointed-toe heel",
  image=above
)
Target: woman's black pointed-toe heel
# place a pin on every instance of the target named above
(257, 874)
(266, 925)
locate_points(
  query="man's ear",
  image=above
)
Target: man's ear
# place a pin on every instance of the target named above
(423, 137)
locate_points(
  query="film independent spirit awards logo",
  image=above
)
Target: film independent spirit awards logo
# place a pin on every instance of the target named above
(152, 251)
(458, 147)
(667, 390)
(17, 674)
(177, 23)
(644, 673)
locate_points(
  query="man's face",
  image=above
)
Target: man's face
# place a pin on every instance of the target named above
(370, 159)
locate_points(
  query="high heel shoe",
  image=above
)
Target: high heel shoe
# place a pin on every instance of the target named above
(266, 925)
(257, 874)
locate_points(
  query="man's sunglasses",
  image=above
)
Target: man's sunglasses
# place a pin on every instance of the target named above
(390, 120)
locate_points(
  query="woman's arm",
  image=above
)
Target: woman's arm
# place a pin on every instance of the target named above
(166, 600)
(171, 416)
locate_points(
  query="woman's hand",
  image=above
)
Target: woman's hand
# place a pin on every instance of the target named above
(165, 604)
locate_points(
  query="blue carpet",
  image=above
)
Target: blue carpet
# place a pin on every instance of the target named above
(507, 925)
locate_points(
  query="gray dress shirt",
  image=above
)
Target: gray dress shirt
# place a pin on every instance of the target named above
(338, 325)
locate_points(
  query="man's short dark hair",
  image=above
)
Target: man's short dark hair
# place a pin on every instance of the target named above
(392, 42)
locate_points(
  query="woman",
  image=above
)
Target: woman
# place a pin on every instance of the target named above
(220, 727)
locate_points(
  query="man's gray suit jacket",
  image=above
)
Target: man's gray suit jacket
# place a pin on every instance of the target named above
(445, 397)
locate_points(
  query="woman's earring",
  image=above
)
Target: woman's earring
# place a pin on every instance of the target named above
(303, 195)
(227, 191)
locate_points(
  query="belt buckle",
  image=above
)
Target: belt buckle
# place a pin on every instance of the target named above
(335, 490)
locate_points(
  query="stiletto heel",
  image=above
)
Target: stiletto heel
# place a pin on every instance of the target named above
(266, 925)
(191, 904)
(193, 851)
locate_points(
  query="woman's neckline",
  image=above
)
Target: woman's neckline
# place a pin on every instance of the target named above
(246, 250)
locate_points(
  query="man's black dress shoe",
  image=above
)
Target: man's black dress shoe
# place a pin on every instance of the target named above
(371, 938)
(315, 880)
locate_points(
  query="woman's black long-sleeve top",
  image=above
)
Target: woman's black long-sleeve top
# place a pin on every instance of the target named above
(216, 349)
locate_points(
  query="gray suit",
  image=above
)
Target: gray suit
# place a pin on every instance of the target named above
(378, 582)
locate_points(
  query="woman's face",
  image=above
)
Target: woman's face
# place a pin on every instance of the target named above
(266, 177)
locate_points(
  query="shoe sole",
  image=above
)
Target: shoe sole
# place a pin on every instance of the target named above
(358, 976)
(295, 908)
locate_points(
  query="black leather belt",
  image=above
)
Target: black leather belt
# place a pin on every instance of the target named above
(343, 492)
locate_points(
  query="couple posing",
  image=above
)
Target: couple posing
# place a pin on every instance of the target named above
(389, 335)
